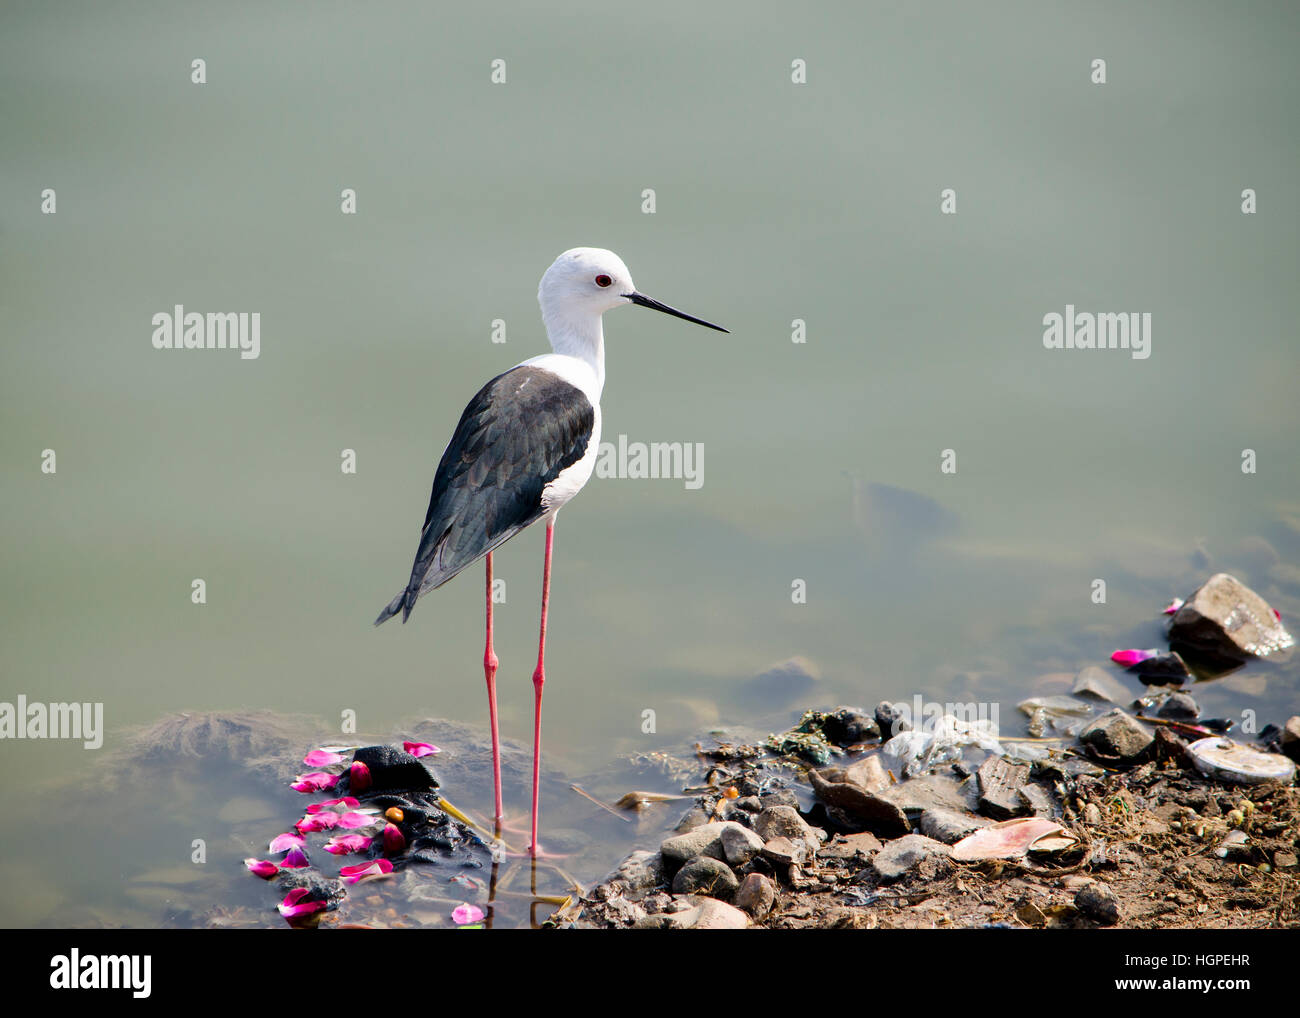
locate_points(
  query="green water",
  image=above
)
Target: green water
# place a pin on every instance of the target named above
(774, 202)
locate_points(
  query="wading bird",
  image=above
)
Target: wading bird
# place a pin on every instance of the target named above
(525, 445)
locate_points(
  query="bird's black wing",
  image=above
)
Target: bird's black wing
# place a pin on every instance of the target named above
(517, 434)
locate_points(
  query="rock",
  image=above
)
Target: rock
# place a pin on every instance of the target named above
(694, 818)
(873, 810)
(903, 854)
(784, 821)
(851, 846)
(889, 719)
(949, 826)
(779, 797)
(1291, 738)
(1000, 782)
(756, 895)
(1226, 619)
(393, 769)
(1098, 684)
(709, 914)
(1098, 902)
(783, 682)
(739, 844)
(706, 840)
(1180, 707)
(928, 791)
(640, 871)
(1116, 737)
(785, 851)
(847, 727)
(1037, 800)
(1162, 668)
(1284, 860)
(868, 773)
(748, 803)
(703, 875)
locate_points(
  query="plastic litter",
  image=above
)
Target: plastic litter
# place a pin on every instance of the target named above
(1230, 761)
(917, 752)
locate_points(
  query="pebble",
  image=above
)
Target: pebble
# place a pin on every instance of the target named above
(948, 825)
(1180, 707)
(709, 914)
(1291, 738)
(704, 875)
(1117, 736)
(1099, 684)
(706, 840)
(1098, 902)
(739, 844)
(757, 895)
(784, 821)
(890, 721)
(783, 851)
(640, 871)
(903, 854)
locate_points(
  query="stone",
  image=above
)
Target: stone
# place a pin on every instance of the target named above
(1098, 684)
(874, 811)
(1000, 782)
(393, 769)
(706, 840)
(1162, 669)
(1116, 737)
(704, 875)
(1180, 707)
(739, 844)
(850, 846)
(1037, 800)
(868, 773)
(904, 854)
(756, 895)
(779, 797)
(640, 871)
(927, 791)
(784, 821)
(848, 727)
(708, 914)
(889, 719)
(783, 682)
(1226, 619)
(784, 851)
(949, 826)
(1098, 902)
(1291, 738)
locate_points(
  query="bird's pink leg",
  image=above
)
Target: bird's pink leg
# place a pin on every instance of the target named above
(490, 662)
(539, 679)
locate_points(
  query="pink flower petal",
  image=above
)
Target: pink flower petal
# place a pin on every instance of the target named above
(351, 821)
(345, 844)
(420, 748)
(359, 777)
(284, 842)
(1174, 605)
(1278, 614)
(394, 840)
(314, 781)
(317, 822)
(294, 906)
(466, 913)
(1128, 658)
(263, 868)
(319, 807)
(376, 868)
(295, 860)
(321, 758)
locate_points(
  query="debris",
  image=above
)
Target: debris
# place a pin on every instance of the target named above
(1291, 738)
(1011, 839)
(1232, 762)
(1000, 783)
(1049, 714)
(915, 752)
(1226, 619)
(637, 801)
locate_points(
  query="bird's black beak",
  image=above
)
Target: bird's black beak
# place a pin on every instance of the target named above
(650, 302)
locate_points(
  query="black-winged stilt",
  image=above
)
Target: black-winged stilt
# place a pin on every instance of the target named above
(525, 445)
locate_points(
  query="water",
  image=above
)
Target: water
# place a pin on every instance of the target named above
(774, 202)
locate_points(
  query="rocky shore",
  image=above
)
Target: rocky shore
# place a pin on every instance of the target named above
(1114, 812)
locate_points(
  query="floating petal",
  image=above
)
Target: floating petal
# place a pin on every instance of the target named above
(344, 844)
(263, 868)
(420, 748)
(286, 841)
(321, 758)
(362, 871)
(1129, 658)
(294, 906)
(466, 913)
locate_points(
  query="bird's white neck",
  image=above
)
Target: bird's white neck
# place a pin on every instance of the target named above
(579, 335)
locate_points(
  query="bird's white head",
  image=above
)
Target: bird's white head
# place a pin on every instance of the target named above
(585, 282)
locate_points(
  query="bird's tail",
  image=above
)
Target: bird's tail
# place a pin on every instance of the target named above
(392, 608)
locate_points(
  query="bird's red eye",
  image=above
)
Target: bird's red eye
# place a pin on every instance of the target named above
(603, 280)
